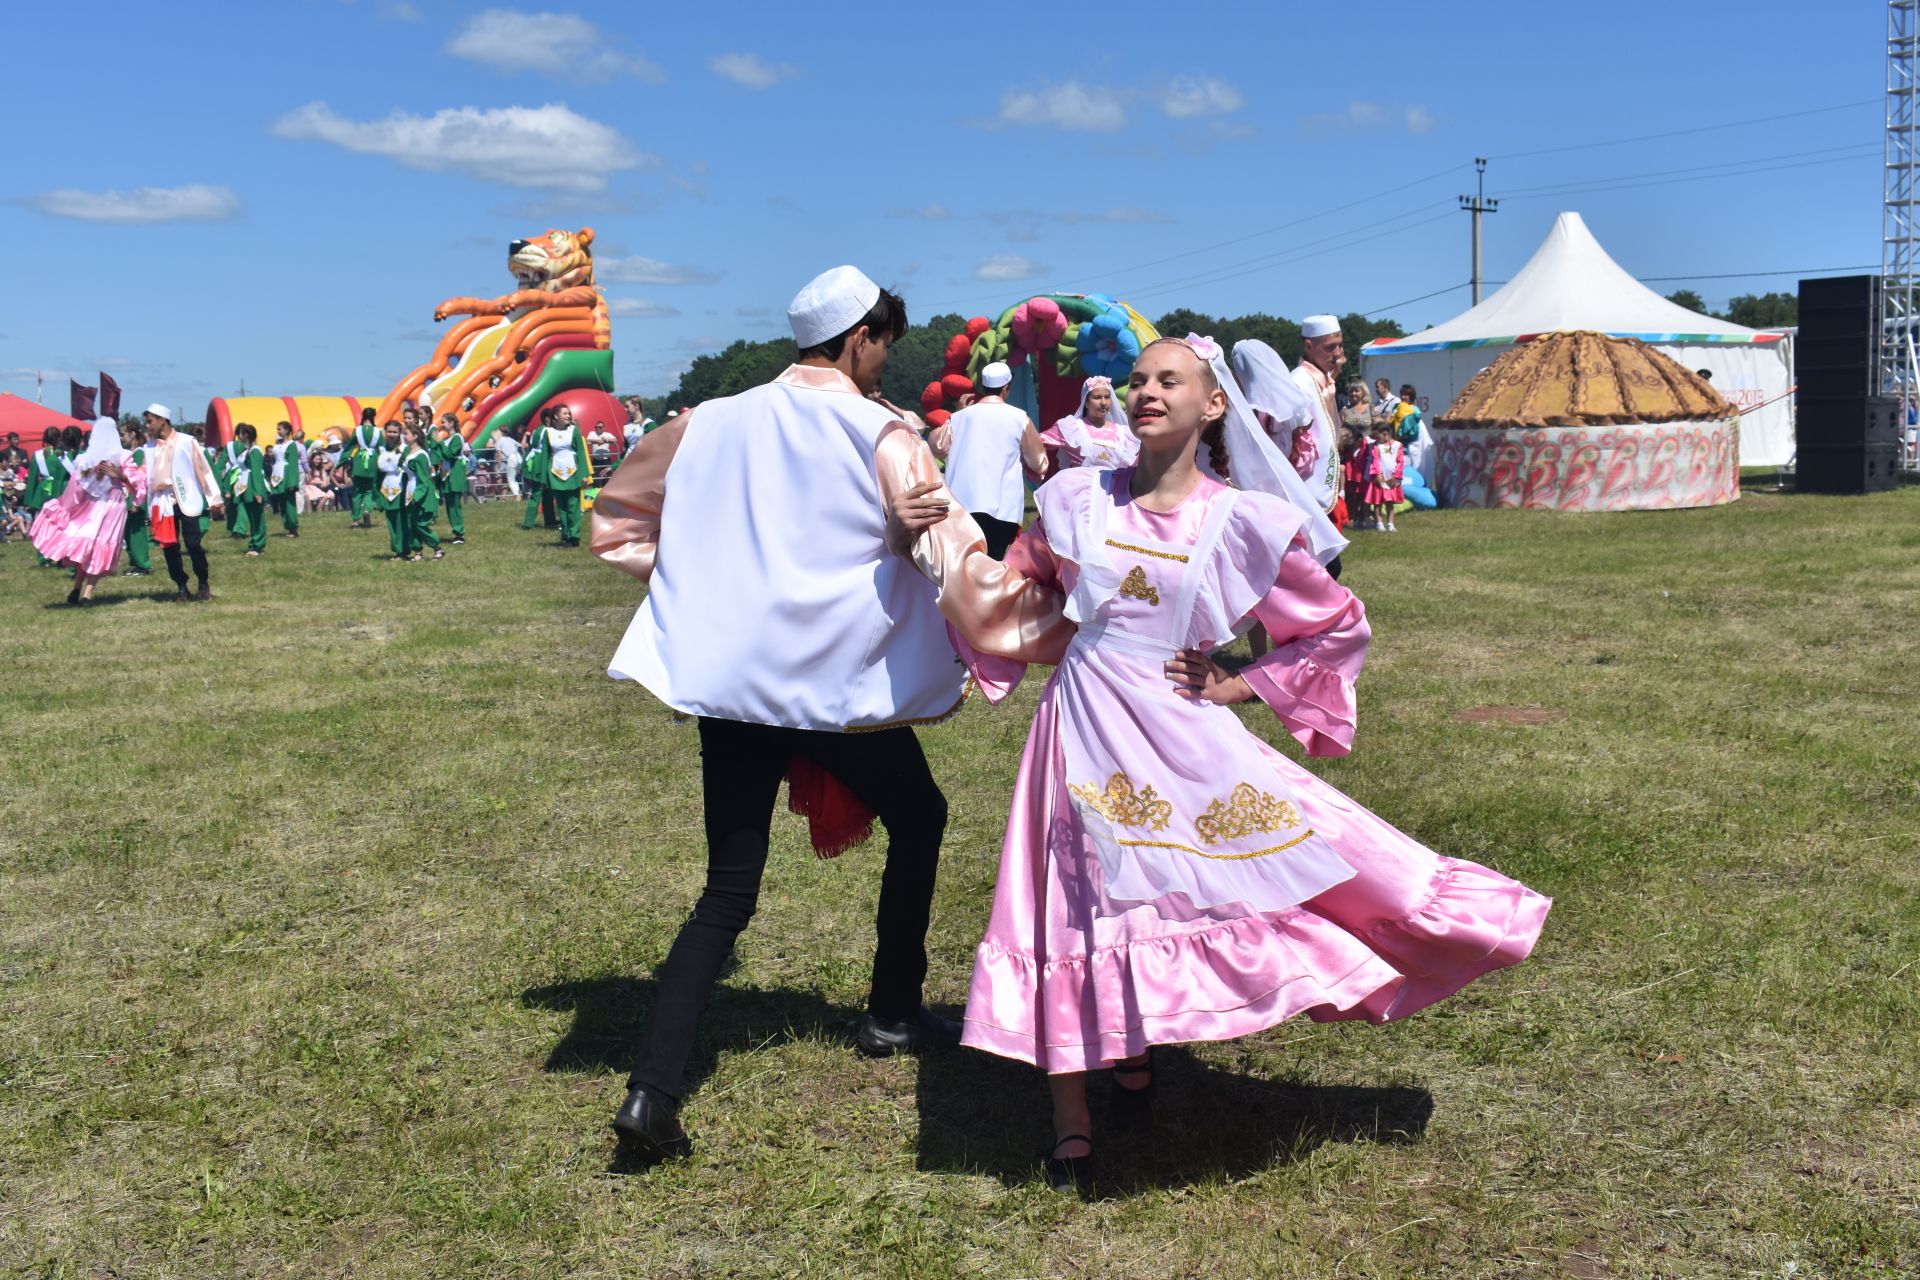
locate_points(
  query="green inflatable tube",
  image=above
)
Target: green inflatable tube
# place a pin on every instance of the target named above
(565, 370)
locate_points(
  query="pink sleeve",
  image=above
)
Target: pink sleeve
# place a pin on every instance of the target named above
(1320, 636)
(1035, 572)
(136, 482)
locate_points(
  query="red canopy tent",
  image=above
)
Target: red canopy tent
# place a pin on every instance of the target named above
(31, 420)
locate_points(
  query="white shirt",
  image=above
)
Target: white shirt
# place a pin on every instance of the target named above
(983, 460)
(1324, 483)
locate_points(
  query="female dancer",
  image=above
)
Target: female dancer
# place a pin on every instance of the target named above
(1386, 463)
(422, 502)
(83, 527)
(1094, 435)
(1166, 875)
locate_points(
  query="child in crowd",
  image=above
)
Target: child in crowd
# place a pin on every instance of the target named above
(422, 496)
(1387, 460)
(1354, 458)
(247, 486)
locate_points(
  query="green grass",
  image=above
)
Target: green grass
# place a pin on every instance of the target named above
(323, 956)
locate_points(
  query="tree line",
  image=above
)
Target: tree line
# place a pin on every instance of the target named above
(1754, 310)
(917, 358)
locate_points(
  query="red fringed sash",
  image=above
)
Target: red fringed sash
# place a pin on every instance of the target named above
(836, 820)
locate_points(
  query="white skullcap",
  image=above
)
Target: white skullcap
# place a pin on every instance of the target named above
(1319, 326)
(995, 375)
(830, 304)
(160, 411)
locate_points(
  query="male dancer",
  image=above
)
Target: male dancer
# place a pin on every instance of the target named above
(777, 615)
(1317, 374)
(182, 491)
(991, 439)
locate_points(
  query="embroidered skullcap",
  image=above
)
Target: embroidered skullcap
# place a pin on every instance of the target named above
(1319, 326)
(830, 304)
(995, 375)
(160, 411)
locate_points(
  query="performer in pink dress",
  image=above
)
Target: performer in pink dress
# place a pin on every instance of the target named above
(1166, 875)
(1386, 464)
(1094, 435)
(85, 525)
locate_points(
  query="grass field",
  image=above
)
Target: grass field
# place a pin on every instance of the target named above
(328, 912)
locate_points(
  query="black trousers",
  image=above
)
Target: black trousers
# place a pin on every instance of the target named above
(1333, 568)
(999, 533)
(187, 533)
(741, 766)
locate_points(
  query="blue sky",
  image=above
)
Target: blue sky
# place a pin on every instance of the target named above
(281, 193)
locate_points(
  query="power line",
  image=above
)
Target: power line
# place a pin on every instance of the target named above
(1395, 306)
(1854, 147)
(1741, 275)
(1293, 248)
(1242, 269)
(1678, 133)
(1577, 190)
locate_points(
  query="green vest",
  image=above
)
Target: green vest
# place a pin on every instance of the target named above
(44, 488)
(421, 492)
(453, 452)
(570, 457)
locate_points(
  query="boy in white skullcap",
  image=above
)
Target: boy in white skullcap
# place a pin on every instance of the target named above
(779, 617)
(1318, 460)
(990, 441)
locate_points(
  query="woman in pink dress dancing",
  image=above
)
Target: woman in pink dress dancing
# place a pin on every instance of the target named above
(84, 526)
(1166, 875)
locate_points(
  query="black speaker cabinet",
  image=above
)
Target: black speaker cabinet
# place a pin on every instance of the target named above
(1834, 354)
(1847, 468)
(1845, 420)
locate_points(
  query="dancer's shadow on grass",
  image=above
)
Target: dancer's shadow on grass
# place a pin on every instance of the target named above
(610, 1012)
(982, 1114)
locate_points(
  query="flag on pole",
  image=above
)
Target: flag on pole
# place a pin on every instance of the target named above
(39, 387)
(109, 396)
(82, 400)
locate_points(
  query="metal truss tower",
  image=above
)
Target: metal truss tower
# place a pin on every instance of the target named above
(1900, 215)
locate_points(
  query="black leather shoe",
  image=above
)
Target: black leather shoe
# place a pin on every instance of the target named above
(648, 1124)
(1069, 1174)
(924, 1030)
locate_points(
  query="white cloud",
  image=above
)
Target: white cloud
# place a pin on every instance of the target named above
(750, 70)
(929, 213)
(642, 308)
(649, 271)
(1007, 266)
(547, 147)
(195, 203)
(1360, 116)
(1067, 105)
(563, 45)
(1192, 96)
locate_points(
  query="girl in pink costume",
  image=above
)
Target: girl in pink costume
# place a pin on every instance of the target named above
(84, 526)
(1095, 434)
(1166, 875)
(1386, 462)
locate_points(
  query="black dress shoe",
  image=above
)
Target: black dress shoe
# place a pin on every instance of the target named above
(1069, 1174)
(648, 1125)
(1133, 1100)
(924, 1030)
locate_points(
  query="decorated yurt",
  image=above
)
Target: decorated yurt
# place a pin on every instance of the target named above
(1586, 422)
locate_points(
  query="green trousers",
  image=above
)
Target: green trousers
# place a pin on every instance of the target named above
(456, 517)
(139, 540)
(536, 499)
(397, 537)
(362, 497)
(567, 506)
(420, 532)
(253, 522)
(290, 512)
(237, 526)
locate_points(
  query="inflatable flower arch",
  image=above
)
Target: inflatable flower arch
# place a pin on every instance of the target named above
(1061, 338)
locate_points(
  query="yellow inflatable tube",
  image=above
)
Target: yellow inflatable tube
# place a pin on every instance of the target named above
(312, 416)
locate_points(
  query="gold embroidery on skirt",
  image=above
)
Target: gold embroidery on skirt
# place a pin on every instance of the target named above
(1121, 804)
(1248, 810)
(1136, 585)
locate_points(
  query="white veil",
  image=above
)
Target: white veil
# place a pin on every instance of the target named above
(1254, 460)
(103, 445)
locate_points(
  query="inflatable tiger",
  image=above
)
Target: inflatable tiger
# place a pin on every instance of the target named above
(554, 269)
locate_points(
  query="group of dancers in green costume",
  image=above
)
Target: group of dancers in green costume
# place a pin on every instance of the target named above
(409, 471)
(555, 470)
(256, 482)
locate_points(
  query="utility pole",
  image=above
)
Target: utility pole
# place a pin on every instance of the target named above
(1478, 204)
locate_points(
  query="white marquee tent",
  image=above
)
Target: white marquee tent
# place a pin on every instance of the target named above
(1571, 283)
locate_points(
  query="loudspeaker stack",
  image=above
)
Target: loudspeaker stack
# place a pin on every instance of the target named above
(1848, 434)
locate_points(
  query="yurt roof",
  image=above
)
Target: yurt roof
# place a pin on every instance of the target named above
(1570, 282)
(1584, 379)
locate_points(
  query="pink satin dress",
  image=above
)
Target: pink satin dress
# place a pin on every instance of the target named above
(1081, 964)
(86, 524)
